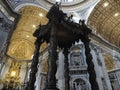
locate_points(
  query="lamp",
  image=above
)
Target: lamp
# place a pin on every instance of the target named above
(13, 73)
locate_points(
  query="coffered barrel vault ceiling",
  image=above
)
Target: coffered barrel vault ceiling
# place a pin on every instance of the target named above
(105, 20)
(22, 42)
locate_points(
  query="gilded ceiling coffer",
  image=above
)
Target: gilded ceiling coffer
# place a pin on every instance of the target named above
(61, 32)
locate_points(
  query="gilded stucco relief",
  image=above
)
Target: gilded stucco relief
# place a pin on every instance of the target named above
(22, 42)
(109, 62)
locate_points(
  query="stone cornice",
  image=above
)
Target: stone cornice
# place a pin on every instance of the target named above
(104, 42)
(68, 7)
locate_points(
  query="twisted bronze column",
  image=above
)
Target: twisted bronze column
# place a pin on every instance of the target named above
(90, 68)
(53, 56)
(66, 66)
(34, 65)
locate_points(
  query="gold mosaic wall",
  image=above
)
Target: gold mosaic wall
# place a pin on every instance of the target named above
(22, 42)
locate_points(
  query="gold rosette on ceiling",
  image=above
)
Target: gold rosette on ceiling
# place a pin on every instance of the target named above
(22, 42)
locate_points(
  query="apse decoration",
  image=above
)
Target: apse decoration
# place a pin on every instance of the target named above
(12, 78)
(21, 45)
(62, 32)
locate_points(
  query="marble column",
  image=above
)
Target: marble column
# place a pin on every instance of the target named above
(104, 70)
(5, 68)
(26, 73)
(97, 70)
(38, 79)
(23, 71)
(1, 68)
(60, 71)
